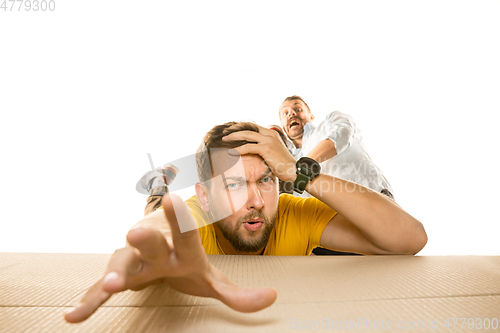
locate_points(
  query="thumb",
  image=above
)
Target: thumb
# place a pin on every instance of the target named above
(241, 299)
(247, 299)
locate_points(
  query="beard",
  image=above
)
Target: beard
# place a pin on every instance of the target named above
(251, 245)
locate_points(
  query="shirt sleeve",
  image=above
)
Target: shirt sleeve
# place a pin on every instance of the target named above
(313, 216)
(202, 218)
(339, 127)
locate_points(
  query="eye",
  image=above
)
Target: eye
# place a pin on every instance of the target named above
(233, 186)
(266, 179)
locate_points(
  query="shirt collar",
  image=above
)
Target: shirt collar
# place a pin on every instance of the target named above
(309, 127)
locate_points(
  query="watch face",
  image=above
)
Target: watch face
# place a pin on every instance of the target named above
(309, 166)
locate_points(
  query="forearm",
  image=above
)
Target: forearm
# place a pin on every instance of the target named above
(323, 151)
(384, 223)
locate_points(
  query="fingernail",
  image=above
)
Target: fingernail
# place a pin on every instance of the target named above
(225, 138)
(233, 152)
(112, 276)
(70, 310)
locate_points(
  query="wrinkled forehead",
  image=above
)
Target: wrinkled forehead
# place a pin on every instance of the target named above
(240, 165)
(291, 104)
(222, 161)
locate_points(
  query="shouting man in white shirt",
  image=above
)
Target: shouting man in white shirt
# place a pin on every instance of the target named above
(335, 143)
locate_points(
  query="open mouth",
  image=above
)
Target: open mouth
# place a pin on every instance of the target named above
(294, 123)
(253, 225)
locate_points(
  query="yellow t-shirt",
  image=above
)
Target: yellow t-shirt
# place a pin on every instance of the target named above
(297, 229)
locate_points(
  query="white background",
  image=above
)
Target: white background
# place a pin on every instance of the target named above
(87, 90)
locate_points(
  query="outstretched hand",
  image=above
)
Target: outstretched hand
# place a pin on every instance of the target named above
(181, 264)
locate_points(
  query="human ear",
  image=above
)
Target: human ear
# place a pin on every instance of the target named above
(203, 197)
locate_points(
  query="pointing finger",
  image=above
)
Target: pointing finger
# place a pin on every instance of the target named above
(121, 264)
(249, 136)
(188, 243)
(89, 303)
(124, 263)
(249, 148)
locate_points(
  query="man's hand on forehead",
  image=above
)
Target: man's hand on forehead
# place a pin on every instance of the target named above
(270, 147)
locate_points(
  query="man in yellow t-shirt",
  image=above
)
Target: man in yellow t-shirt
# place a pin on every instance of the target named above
(297, 228)
(237, 210)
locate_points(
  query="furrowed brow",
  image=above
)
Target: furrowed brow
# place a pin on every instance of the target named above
(266, 173)
(236, 178)
(243, 179)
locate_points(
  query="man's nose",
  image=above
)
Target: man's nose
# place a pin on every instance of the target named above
(255, 199)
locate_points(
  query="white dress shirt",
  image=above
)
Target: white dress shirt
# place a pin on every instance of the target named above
(352, 161)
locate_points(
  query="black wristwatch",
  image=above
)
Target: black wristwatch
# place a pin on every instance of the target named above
(307, 170)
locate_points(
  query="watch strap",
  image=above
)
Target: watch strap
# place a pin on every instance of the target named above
(307, 170)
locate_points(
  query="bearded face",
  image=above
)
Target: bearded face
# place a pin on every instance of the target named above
(251, 232)
(243, 199)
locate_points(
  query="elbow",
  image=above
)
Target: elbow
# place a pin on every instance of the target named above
(418, 241)
(409, 242)
(423, 240)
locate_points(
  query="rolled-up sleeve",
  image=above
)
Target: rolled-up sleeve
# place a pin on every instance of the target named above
(339, 127)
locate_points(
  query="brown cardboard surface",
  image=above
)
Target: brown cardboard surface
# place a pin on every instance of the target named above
(36, 289)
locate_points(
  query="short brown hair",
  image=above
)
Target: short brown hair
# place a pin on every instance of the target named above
(291, 98)
(213, 139)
